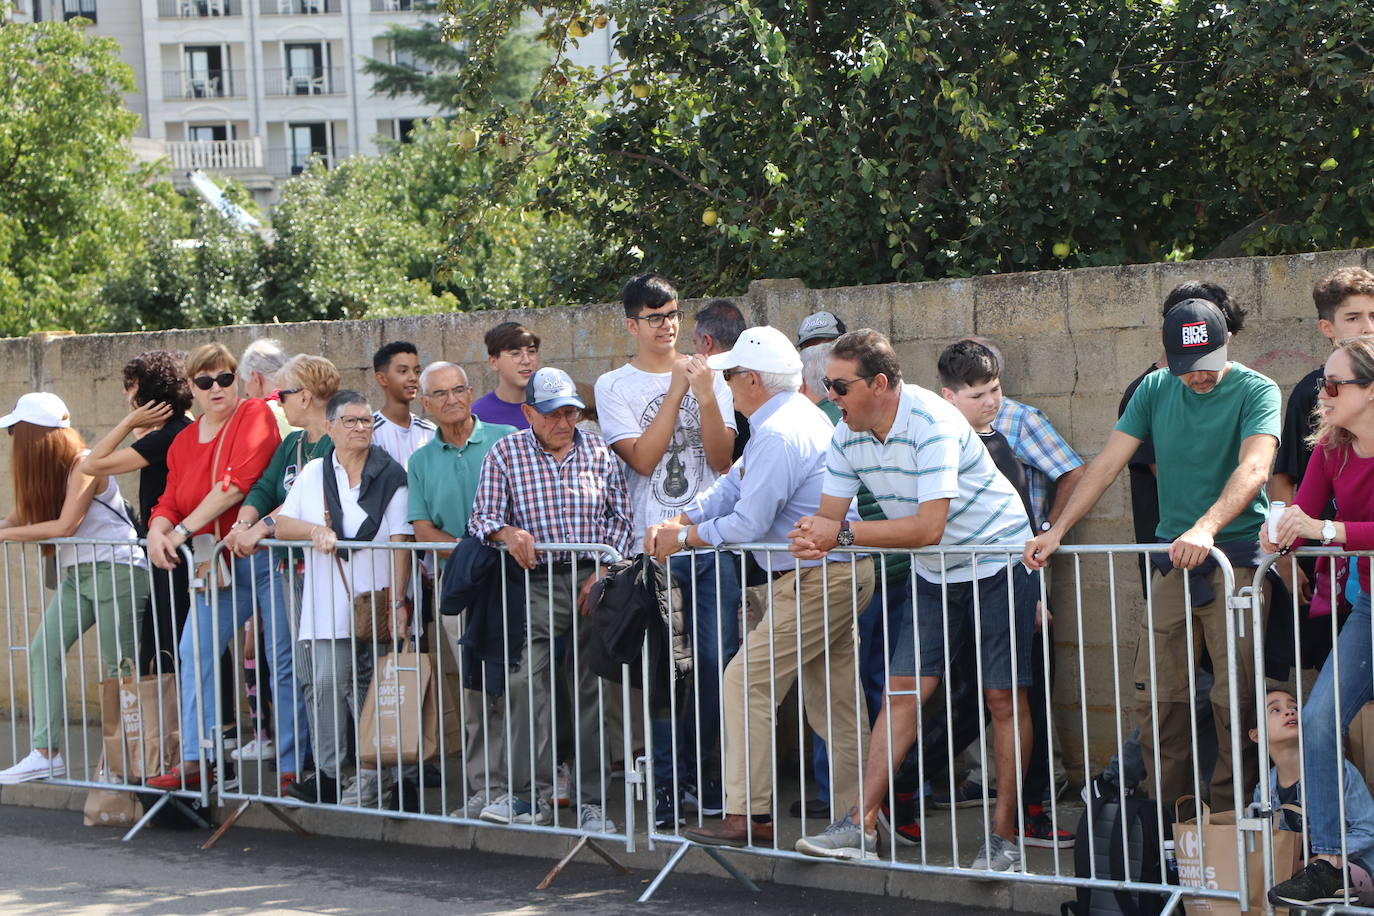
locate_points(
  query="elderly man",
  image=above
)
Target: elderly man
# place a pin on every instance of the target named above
(258, 367)
(809, 627)
(551, 483)
(443, 481)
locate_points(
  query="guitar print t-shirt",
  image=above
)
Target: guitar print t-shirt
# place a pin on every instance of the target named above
(627, 400)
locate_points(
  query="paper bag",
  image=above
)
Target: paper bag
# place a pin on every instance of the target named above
(1206, 851)
(1359, 743)
(406, 707)
(140, 724)
(110, 807)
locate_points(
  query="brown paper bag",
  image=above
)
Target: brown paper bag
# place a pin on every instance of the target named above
(110, 807)
(140, 724)
(1359, 743)
(1206, 851)
(405, 708)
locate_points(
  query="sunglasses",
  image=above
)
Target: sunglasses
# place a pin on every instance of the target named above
(656, 321)
(206, 382)
(841, 385)
(1332, 387)
(728, 374)
(285, 392)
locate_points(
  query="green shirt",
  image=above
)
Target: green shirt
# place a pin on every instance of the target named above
(894, 566)
(443, 478)
(1197, 439)
(270, 490)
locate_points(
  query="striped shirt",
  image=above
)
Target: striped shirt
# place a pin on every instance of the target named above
(931, 452)
(1040, 449)
(400, 442)
(581, 499)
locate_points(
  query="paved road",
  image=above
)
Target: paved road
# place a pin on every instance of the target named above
(50, 864)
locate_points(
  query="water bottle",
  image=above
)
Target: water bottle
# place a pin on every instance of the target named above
(1276, 510)
(1170, 863)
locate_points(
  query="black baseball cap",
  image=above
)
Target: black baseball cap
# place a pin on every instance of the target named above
(1195, 337)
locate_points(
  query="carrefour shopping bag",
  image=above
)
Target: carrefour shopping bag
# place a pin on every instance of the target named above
(407, 706)
(110, 807)
(140, 723)
(1206, 851)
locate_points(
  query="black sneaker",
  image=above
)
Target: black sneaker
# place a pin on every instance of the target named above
(666, 808)
(318, 788)
(900, 820)
(1319, 884)
(1040, 830)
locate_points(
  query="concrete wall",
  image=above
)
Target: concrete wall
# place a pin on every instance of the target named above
(1073, 341)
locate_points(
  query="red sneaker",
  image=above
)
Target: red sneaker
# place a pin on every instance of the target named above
(173, 778)
(1040, 830)
(286, 779)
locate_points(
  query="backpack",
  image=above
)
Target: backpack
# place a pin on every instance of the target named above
(1108, 823)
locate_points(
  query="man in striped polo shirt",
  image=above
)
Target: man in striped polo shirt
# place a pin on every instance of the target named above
(938, 485)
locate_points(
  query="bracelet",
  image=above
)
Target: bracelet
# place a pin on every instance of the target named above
(181, 529)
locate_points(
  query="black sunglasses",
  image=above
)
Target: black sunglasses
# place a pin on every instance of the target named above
(841, 385)
(1333, 386)
(206, 382)
(728, 374)
(288, 391)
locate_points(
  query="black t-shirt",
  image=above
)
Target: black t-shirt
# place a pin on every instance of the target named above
(152, 447)
(741, 435)
(1299, 422)
(1144, 486)
(1010, 466)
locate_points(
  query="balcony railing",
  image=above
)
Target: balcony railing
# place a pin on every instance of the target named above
(203, 84)
(299, 7)
(308, 81)
(216, 155)
(198, 9)
(284, 161)
(401, 6)
(73, 9)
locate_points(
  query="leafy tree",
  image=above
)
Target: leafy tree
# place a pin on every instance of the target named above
(889, 140)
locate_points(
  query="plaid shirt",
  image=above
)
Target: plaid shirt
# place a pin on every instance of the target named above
(581, 499)
(1037, 445)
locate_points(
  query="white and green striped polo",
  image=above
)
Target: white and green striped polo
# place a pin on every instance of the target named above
(931, 452)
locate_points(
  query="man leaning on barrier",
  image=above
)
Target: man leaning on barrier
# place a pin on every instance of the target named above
(809, 627)
(938, 486)
(551, 483)
(1215, 427)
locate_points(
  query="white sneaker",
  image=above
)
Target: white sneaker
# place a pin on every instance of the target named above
(593, 819)
(472, 808)
(257, 749)
(997, 854)
(34, 766)
(562, 787)
(362, 790)
(513, 809)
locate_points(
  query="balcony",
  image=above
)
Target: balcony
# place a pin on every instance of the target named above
(198, 9)
(401, 6)
(284, 161)
(299, 7)
(293, 81)
(216, 155)
(203, 84)
(78, 9)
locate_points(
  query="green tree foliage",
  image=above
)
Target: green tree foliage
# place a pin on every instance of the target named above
(869, 141)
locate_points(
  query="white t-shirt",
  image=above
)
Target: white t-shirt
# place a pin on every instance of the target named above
(627, 400)
(105, 520)
(401, 442)
(326, 609)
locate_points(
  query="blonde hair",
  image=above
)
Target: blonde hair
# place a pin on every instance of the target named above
(210, 356)
(315, 374)
(42, 463)
(1328, 436)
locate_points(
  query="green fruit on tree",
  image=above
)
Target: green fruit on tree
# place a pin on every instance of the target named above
(1061, 249)
(578, 28)
(709, 216)
(467, 138)
(639, 91)
(600, 22)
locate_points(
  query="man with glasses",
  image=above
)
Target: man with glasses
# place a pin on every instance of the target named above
(671, 420)
(1215, 427)
(443, 482)
(551, 483)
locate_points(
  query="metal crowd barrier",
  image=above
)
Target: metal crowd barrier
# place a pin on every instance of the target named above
(567, 745)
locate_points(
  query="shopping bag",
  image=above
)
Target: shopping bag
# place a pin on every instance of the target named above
(140, 723)
(1206, 850)
(407, 708)
(1359, 743)
(110, 807)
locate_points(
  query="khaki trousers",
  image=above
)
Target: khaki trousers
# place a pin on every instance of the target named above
(813, 637)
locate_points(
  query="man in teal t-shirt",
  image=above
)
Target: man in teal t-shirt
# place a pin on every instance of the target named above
(1215, 426)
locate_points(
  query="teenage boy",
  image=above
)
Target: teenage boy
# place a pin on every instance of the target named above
(513, 354)
(671, 420)
(396, 367)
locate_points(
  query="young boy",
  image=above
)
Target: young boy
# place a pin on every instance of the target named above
(1321, 883)
(513, 353)
(396, 366)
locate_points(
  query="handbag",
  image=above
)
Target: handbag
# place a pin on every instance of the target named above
(371, 610)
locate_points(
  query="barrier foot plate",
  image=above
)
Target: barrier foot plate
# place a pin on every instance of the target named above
(582, 843)
(1173, 903)
(677, 856)
(238, 812)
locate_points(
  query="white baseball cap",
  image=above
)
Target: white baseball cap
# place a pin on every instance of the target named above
(39, 408)
(762, 349)
(550, 388)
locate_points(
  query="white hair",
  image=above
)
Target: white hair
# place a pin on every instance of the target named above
(438, 367)
(264, 356)
(813, 360)
(774, 382)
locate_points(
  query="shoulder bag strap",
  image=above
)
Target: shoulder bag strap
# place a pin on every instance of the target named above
(338, 562)
(214, 461)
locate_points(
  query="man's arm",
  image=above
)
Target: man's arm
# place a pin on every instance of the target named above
(427, 533)
(1256, 456)
(1100, 473)
(1282, 487)
(717, 439)
(1063, 490)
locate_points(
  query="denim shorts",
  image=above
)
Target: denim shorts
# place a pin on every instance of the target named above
(994, 627)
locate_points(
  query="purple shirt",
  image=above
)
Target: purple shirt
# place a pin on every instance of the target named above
(491, 409)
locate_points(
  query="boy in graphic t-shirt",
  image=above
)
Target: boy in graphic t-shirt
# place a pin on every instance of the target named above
(670, 419)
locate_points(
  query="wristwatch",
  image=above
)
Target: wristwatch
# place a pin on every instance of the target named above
(181, 529)
(682, 537)
(270, 523)
(1045, 525)
(845, 538)
(1328, 532)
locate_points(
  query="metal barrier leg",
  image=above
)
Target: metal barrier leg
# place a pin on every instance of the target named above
(166, 799)
(232, 819)
(1172, 904)
(582, 843)
(678, 856)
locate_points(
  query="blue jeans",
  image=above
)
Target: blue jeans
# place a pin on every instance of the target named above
(1321, 755)
(715, 640)
(215, 617)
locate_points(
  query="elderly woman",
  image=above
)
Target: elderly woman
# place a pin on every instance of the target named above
(101, 584)
(354, 492)
(211, 466)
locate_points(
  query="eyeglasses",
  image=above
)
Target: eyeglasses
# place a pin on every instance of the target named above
(288, 391)
(357, 422)
(841, 385)
(656, 321)
(206, 382)
(564, 416)
(443, 394)
(728, 374)
(1332, 386)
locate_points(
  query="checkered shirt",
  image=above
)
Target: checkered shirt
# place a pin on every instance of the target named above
(1039, 447)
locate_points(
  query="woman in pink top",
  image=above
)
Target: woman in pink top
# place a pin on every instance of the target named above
(1342, 466)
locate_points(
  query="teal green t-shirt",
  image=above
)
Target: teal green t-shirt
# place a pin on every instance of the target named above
(1197, 439)
(442, 478)
(293, 454)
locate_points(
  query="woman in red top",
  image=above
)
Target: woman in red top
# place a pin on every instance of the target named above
(211, 466)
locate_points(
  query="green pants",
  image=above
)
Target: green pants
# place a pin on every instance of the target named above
(109, 595)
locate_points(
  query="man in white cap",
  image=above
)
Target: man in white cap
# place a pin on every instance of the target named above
(551, 483)
(809, 627)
